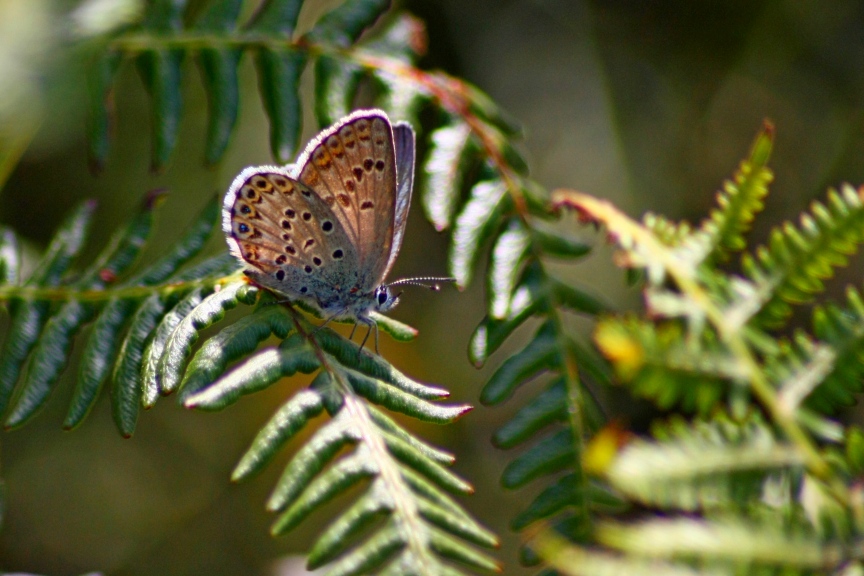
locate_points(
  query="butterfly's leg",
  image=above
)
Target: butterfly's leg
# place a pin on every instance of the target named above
(376, 338)
(372, 324)
(365, 338)
(327, 321)
(354, 329)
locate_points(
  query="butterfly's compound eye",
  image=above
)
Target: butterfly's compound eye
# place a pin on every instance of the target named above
(384, 300)
(382, 295)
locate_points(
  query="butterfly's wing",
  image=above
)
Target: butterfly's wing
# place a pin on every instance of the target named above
(403, 139)
(352, 167)
(290, 239)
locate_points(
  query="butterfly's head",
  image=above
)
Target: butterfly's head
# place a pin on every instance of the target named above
(385, 299)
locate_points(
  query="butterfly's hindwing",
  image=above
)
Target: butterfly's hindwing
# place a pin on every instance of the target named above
(292, 240)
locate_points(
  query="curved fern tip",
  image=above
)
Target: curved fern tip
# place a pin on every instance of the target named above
(464, 410)
(562, 198)
(760, 152)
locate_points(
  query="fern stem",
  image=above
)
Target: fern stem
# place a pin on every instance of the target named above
(766, 393)
(66, 294)
(758, 382)
(575, 404)
(405, 509)
(192, 40)
(575, 400)
(453, 94)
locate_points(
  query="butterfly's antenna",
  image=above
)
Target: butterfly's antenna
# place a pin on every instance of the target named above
(430, 282)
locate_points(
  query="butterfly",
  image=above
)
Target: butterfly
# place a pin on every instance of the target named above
(326, 230)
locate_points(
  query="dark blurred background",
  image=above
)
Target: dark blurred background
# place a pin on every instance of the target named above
(650, 104)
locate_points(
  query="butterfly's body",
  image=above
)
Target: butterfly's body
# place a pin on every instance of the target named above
(327, 229)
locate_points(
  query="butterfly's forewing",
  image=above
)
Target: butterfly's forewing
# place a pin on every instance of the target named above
(403, 140)
(352, 167)
(289, 237)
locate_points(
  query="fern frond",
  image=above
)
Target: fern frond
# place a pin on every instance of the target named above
(521, 288)
(156, 319)
(640, 247)
(41, 334)
(510, 251)
(450, 152)
(27, 318)
(791, 269)
(799, 370)
(50, 355)
(336, 80)
(564, 494)
(103, 343)
(741, 199)
(178, 346)
(144, 321)
(768, 483)
(759, 482)
(236, 341)
(506, 210)
(217, 39)
(708, 464)
(476, 224)
(413, 526)
(573, 560)
(219, 74)
(660, 362)
(703, 300)
(843, 329)
(668, 232)
(721, 542)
